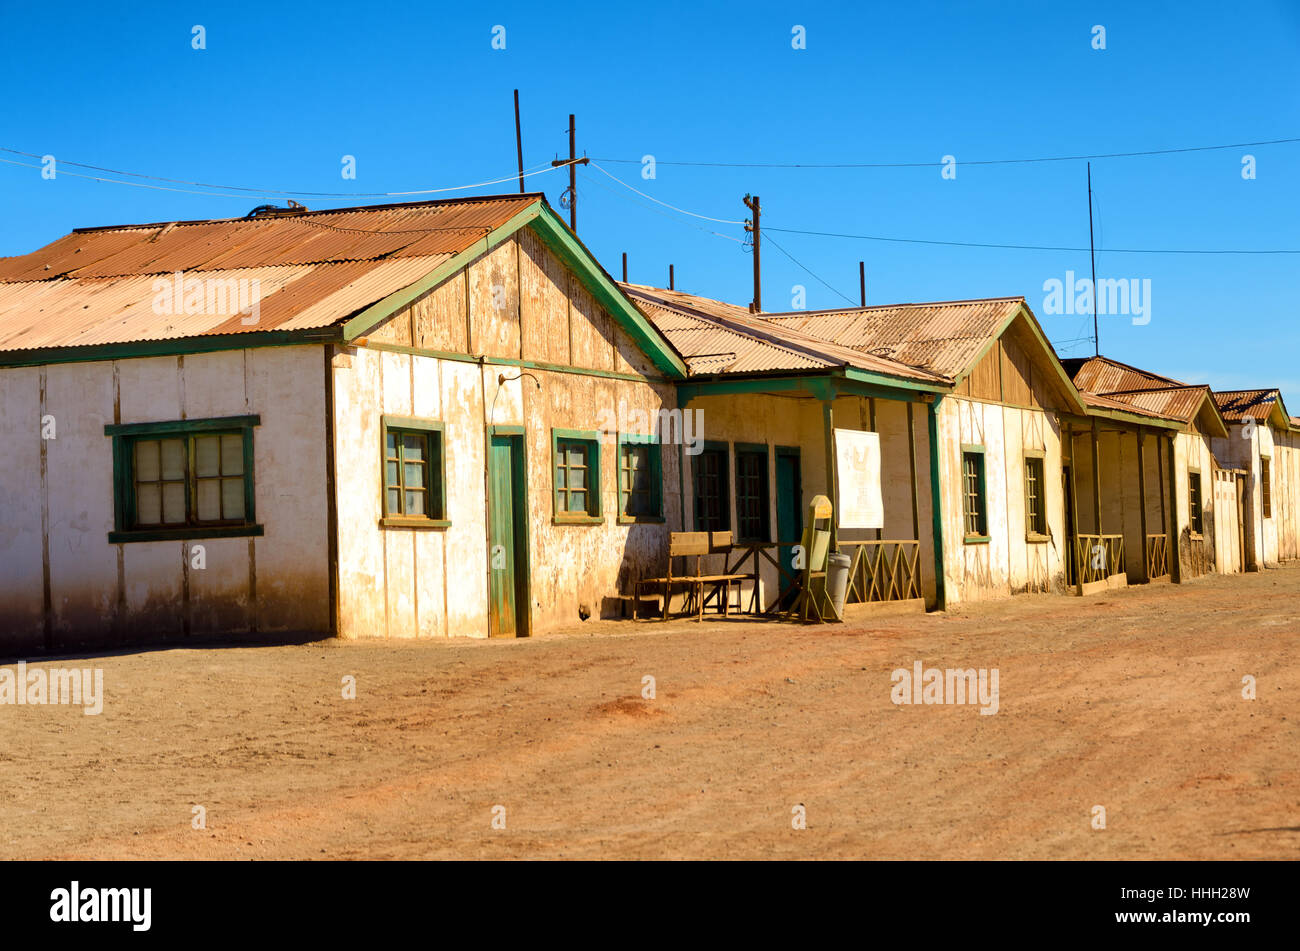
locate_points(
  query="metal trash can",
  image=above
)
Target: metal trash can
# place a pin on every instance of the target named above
(837, 580)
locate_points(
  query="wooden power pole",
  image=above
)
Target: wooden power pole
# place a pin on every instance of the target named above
(573, 164)
(862, 281)
(752, 226)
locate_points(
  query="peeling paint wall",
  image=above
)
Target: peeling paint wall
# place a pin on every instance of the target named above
(1276, 538)
(518, 302)
(56, 504)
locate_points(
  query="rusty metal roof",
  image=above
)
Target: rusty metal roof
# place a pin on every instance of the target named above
(313, 268)
(1104, 375)
(943, 337)
(1237, 405)
(714, 337)
(1178, 402)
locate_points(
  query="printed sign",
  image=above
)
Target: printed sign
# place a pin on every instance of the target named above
(858, 469)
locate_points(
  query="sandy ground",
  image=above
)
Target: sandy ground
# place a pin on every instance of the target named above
(1130, 700)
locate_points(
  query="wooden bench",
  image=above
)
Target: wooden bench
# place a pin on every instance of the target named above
(697, 544)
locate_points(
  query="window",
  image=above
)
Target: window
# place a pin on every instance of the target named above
(751, 494)
(183, 479)
(414, 488)
(712, 494)
(1194, 501)
(973, 501)
(577, 475)
(1265, 489)
(640, 479)
(1035, 501)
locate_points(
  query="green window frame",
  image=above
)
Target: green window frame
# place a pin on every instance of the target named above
(753, 498)
(1195, 497)
(1265, 489)
(974, 495)
(413, 473)
(575, 476)
(189, 478)
(712, 488)
(640, 478)
(1035, 497)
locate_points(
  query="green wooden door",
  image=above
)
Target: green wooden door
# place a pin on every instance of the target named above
(789, 508)
(507, 540)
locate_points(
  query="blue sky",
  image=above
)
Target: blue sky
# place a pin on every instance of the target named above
(419, 96)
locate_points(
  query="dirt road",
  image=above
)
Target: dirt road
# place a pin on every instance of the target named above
(1131, 701)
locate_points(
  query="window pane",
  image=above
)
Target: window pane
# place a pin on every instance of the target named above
(394, 502)
(577, 455)
(391, 473)
(173, 500)
(412, 447)
(232, 455)
(232, 498)
(207, 456)
(392, 444)
(146, 460)
(578, 501)
(577, 478)
(209, 500)
(415, 475)
(148, 503)
(173, 459)
(414, 503)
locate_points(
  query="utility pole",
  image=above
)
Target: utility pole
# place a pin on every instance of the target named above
(624, 267)
(1092, 254)
(862, 281)
(670, 278)
(519, 143)
(573, 164)
(752, 226)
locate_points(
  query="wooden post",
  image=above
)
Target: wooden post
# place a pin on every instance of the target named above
(1175, 561)
(862, 281)
(871, 409)
(936, 503)
(1074, 515)
(1142, 500)
(911, 460)
(519, 143)
(671, 279)
(624, 267)
(573, 182)
(832, 489)
(1096, 481)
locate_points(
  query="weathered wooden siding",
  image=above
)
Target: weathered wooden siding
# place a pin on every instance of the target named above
(1008, 563)
(517, 302)
(102, 594)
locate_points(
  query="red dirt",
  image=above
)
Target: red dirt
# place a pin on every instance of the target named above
(1130, 700)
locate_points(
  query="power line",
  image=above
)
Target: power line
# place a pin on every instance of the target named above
(1035, 247)
(809, 270)
(1013, 161)
(721, 221)
(717, 234)
(270, 194)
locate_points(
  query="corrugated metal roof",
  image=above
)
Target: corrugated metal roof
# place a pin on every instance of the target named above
(1236, 405)
(97, 286)
(943, 337)
(1104, 375)
(1180, 403)
(714, 337)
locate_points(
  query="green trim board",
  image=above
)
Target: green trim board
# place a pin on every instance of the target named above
(591, 441)
(126, 435)
(435, 467)
(182, 346)
(654, 457)
(936, 503)
(511, 362)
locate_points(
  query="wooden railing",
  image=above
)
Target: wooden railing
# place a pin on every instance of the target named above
(880, 570)
(883, 570)
(1157, 554)
(1098, 556)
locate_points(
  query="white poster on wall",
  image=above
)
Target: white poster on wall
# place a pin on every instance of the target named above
(858, 470)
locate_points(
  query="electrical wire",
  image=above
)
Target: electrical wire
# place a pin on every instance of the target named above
(691, 224)
(721, 221)
(1015, 161)
(810, 271)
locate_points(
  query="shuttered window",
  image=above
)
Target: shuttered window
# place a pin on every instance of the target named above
(1195, 520)
(751, 494)
(712, 500)
(1266, 490)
